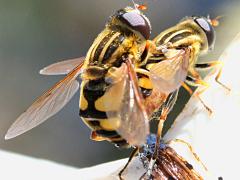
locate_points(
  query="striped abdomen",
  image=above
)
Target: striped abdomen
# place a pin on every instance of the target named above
(94, 112)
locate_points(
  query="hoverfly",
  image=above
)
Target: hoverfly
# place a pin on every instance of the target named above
(172, 62)
(169, 164)
(115, 92)
(111, 103)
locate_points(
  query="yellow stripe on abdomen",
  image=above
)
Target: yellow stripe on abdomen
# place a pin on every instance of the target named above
(145, 83)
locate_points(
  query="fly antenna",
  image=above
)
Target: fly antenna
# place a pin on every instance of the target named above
(215, 21)
(138, 7)
(135, 4)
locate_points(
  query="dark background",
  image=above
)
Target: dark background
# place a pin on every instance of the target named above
(34, 34)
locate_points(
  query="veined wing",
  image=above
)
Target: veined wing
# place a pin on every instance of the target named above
(46, 105)
(134, 125)
(62, 67)
(168, 75)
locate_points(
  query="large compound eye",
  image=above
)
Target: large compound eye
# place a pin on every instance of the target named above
(137, 22)
(208, 29)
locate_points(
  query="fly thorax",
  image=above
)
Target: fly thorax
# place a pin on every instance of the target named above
(197, 35)
(137, 48)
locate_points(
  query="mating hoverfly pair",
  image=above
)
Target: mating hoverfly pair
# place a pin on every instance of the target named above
(127, 79)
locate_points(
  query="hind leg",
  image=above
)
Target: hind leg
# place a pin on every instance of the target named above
(134, 152)
(213, 64)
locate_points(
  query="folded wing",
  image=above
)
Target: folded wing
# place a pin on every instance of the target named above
(134, 125)
(168, 75)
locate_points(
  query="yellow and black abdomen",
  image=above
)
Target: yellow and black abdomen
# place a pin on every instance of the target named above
(94, 112)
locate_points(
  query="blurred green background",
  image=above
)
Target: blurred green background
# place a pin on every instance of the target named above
(34, 34)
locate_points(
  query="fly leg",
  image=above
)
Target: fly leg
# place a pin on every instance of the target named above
(133, 153)
(165, 109)
(190, 149)
(154, 157)
(196, 82)
(216, 65)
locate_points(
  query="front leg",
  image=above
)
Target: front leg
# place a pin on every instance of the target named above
(165, 110)
(215, 65)
(196, 82)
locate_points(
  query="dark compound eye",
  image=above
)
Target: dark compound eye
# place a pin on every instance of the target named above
(137, 22)
(208, 29)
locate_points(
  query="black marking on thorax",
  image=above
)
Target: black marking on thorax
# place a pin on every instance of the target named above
(101, 45)
(113, 47)
(179, 37)
(164, 37)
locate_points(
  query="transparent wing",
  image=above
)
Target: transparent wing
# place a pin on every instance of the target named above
(134, 125)
(169, 103)
(168, 75)
(46, 105)
(63, 67)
